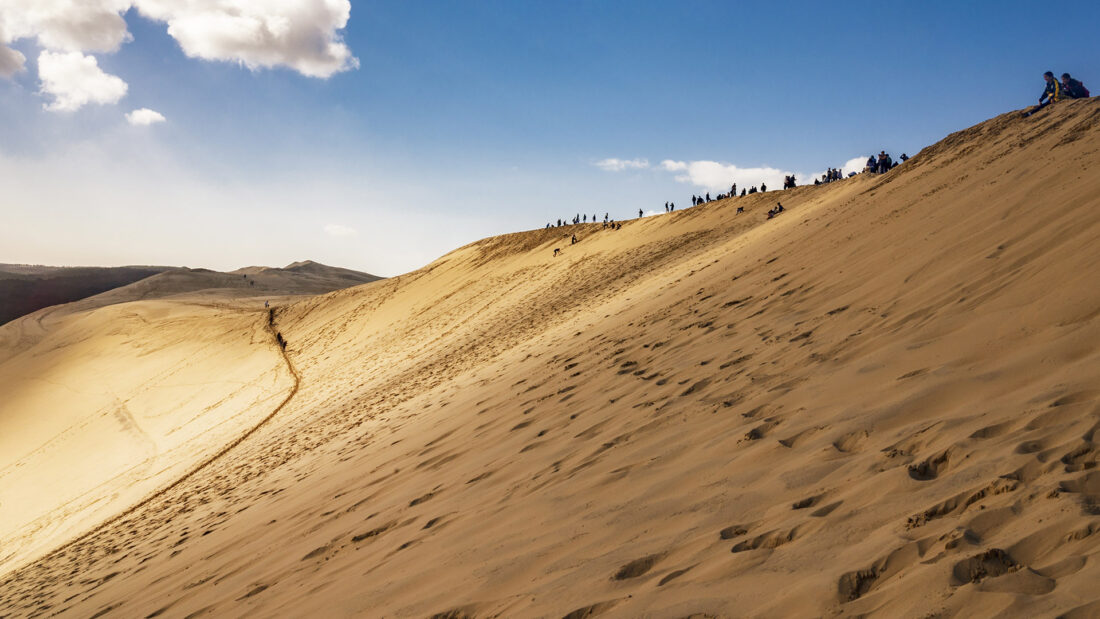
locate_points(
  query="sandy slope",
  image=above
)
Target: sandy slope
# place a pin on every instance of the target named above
(883, 401)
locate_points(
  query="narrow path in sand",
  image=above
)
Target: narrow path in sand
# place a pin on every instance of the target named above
(272, 329)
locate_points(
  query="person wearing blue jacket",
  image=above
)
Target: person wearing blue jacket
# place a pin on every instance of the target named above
(1053, 93)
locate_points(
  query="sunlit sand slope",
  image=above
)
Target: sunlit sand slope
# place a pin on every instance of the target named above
(107, 406)
(883, 401)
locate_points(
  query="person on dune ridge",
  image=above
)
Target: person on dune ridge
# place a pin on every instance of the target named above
(1053, 93)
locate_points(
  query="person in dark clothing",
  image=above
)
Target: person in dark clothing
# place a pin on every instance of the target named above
(763, 187)
(573, 241)
(1051, 94)
(639, 212)
(904, 157)
(1073, 89)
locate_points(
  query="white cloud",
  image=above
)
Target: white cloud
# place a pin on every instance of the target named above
(718, 177)
(144, 117)
(300, 34)
(339, 230)
(855, 164)
(618, 165)
(67, 25)
(74, 80)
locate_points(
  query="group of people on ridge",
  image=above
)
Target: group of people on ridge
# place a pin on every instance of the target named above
(1056, 91)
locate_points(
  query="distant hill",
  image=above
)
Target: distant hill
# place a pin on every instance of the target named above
(26, 288)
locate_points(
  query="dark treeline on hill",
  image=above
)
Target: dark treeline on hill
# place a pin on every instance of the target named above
(26, 288)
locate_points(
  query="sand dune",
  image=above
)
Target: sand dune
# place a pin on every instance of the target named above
(884, 401)
(26, 288)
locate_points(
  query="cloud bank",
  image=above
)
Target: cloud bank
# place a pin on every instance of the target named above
(301, 35)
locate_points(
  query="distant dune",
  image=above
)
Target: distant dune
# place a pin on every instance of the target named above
(885, 401)
(26, 288)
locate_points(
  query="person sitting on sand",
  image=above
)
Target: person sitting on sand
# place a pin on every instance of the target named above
(740, 209)
(1073, 89)
(556, 252)
(574, 240)
(1052, 93)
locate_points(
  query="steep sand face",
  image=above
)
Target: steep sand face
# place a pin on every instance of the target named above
(102, 408)
(882, 401)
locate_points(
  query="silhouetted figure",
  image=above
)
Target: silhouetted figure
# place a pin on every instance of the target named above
(573, 241)
(708, 196)
(740, 209)
(639, 213)
(763, 187)
(742, 192)
(671, 206)
(733, 189)
(904, 157)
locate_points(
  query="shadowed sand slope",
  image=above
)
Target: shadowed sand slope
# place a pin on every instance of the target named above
(883, 401)
(26, 288)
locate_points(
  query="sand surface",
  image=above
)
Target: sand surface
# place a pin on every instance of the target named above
(884, 401)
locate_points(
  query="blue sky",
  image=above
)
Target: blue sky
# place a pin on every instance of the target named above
(459, 120)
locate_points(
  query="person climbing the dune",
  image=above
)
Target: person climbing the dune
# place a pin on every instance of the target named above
(1053, 93)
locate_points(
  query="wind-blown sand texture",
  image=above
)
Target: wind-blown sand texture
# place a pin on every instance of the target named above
(883, 401)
